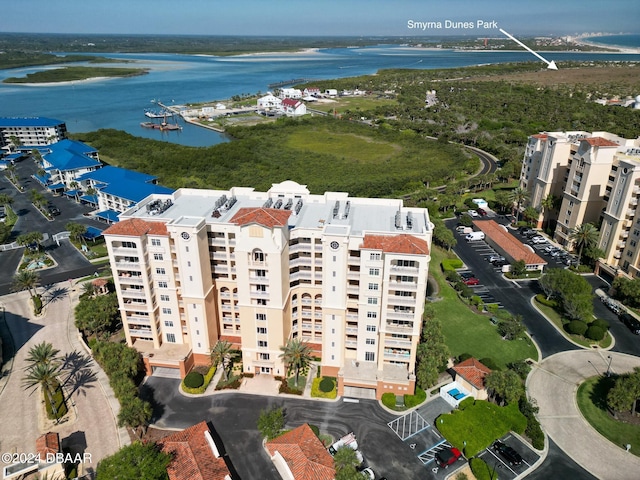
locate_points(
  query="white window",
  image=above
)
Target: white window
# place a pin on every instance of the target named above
(155, 242)
(164, 298)
(158, 256)
(369, 356)
(373, 286)
(128, 245)
(370, 341)
(264, 356)
(166, 311)
(168, 323)
(375, 256)
(372, 314)
(371, 328)
(262, 343)
(171, 337)
(374, 272)
(261, 330)
(162, 285)
(372, 301)
(160, 271)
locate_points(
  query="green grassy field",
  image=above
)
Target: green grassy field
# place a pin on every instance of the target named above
(469, 332)
(592, 401)
(353, 104)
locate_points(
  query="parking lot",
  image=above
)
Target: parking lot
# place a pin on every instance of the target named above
(505, 469)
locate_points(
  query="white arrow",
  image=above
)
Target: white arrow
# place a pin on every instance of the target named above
(551, 65)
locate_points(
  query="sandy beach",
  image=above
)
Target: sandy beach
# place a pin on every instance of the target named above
(613, 48)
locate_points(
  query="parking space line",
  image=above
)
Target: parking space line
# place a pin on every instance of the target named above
(416, 424)
(502, 461)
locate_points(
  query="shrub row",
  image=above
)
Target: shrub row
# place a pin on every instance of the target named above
(596, 330)
(319, 390)
(389, 400)
(542, 299)
(417, 398)
(206, 380)
(285, 388)
(480, 469)
(451, 264)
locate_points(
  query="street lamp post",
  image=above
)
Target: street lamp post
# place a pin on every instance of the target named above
(609, 366)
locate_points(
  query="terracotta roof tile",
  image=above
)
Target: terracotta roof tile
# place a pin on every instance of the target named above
(304, 453)
(193, 458)
(541, 136)
(48, 443)
(473, 372)
(135, 227)
(267, 217)
(600, 142)
(291, 102)
(403, 243)
(510, 244)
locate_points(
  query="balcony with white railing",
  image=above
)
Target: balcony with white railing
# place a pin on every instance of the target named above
(317, 327)
(351, 343)
(353, 289)
(125, 251)
(138, 319)
(137, 332)
(124, 279)
(400, 315)
(397, 342)
(352, 330)
(403, 329)
(300, 247)
(133, 293)
(400, 300)
(403, 269)
(397, 354)
(317, 314)
(127, 265)
(407, 286)
(352, 316)
(296, 262)
(300, 275)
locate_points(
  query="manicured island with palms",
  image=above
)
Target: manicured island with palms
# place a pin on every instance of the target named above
(70, 74)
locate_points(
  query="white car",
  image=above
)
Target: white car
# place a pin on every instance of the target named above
(368, 473)
(473, 213)
(538, 239)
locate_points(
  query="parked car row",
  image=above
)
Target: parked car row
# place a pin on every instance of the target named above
(631, 322)
(612, 305)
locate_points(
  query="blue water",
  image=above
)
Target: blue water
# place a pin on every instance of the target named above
(630, 40)
(180, 79)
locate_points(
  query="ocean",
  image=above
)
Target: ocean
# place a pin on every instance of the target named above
(628, 40)
(182, 79)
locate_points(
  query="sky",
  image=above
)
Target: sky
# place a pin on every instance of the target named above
(321, 17)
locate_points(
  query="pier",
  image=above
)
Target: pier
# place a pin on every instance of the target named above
(289, 82)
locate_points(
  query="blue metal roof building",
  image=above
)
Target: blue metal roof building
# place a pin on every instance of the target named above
(33, 131)
(69, 155)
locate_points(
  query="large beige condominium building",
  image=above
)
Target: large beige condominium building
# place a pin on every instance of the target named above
(347, 275)
(574, 167)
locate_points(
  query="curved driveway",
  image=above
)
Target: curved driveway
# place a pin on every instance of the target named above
(553, 383)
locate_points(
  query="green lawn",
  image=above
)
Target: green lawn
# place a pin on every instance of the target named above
(556, 318)
(353, 104)
(478, 423)
(592, 395)
(469, 332)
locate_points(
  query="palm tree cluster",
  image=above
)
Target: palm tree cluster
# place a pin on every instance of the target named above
(43, 369)
(584, 236)
(297, 355)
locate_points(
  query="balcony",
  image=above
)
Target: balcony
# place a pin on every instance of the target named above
(352, 316)
(351, 330)
(621, 244)
(402, 269)
(306, 274)
(636, 190)
(403, 329)
(133, 293)
(633, 202)
(140, 332)
(398, 342)
(124, 251)
(400, 315)
(300, 247)
(317, 327)
(317, 314)
(141, 320)
(630, 212)
(399, 300)
(406, 286)
(353, 275)
(353, 289)
(351, 343)
(127, 265)
(130, 280)
(256, 279)
(296, 262)
(399, 355)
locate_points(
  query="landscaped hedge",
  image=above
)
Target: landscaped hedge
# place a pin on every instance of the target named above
(451, 264)
(206, 381)
(317, 389)
(540, 298)
(285, 388)
(193, 380)
(417, 398)
(594, 332)
(480, 469)
(600, 322)
(389, 400)
(576, 327)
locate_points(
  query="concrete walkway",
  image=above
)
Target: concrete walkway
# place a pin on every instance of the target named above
(553, 383)
(94, 429)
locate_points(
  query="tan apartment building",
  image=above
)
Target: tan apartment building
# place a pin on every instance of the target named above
(595, 176)
(348, 275)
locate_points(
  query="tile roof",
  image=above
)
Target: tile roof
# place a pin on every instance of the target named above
(304, 453)
(403, 243)
(541, 136)
(600, 142)
(473, 372)
(134, 227)
(290, 102)
(507, 242)
(48, 443)
(267, 217)
(193, 458)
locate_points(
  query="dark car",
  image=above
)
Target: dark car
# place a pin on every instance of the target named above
(482, 212)
(53, 210)
(508, 453)
(630, 321)
(466, 275)
(448, 456)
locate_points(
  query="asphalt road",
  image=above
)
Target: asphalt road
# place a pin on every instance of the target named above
(234, 417)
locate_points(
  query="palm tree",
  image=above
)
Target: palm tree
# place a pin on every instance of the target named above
(46, 376)
(296, 355)
(43, 354)
(26, 280)
(584, 236)
(518, 196)
(223, 353)
(5, 199)
(76, 230)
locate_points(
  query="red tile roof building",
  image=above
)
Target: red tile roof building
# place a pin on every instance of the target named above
(195, 455)
(345, 274)
(498, 236)
(473, 371)
(49, 443)
(304, 454)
